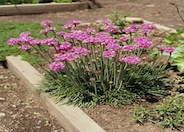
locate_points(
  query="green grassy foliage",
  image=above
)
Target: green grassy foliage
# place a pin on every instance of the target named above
(12, 30)
(169, 114)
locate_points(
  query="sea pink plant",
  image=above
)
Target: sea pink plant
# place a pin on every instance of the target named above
(90, 58)
(48, 29)
(113, 46)
(13, 41)
(129, 47)
(66, 57)
(132, 60)
(49, 41)
(106, 22)
(143, 42)
(109, 54)
(46, 23)
(64, 46)
(148, 26)
(81, 51)
(124, 38)
(56, 66)
(111, 28)
(70, 24)
(166, 49)
(25, 47)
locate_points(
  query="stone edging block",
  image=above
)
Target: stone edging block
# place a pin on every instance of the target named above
(72, 118)
(41, 8)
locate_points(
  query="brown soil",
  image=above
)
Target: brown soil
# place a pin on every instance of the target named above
(159, 11)
(24, 113)
(19, 110)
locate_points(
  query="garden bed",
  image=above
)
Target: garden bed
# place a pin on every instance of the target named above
(101, 113)
(22, 9)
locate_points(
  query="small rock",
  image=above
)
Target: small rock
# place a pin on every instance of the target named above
(14, 106)
(2, 115)
(150, 5)
(1, 99)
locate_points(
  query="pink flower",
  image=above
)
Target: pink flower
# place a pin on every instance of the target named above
(71, 24)
(60, 33)
(103, 38)
(89, 69)
(35, 42)
(129, 47)
(106, 22)
(25, 34)
(25, 47)
(13, 41)
(76, 22)
(143, 42)
(111, 28)
(132, 60)
(113, 46)
(66, 57)
(92, 79)
(129, 30)
(25, 39)
(124, 38)
(148, 26)
(46, 23)
(48, 29)
(81, 51)
(49, 41)
(64, 46)
(145, 31)
(90, 30)
(166, 49)
(56, 66)
(67, 26)
(109, 53)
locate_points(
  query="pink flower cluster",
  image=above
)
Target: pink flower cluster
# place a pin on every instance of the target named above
(166, 49)
(56, 66)
(70, 24)
(109, 27)
(23, 40)
(48, 29)
(49, 41)
(145, 28)
(46, 23)
(143, 42)
(132, 60)
(129, 47)
(109, 54)
(66, 57)
(124, 38)
(25, 47)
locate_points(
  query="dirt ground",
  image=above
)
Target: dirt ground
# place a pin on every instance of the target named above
(159, 11)
(24, 114)
(19, 110)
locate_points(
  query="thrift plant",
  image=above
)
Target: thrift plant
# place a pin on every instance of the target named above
(89, 67)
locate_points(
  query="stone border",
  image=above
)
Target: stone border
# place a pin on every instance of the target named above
(72, 118)
(41, 8)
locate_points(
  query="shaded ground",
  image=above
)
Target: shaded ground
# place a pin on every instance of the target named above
(159, 11)
(19, 110)
(24, 113)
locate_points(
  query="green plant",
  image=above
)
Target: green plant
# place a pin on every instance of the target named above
(177, 38)
(169, 114)
(98, 67)
(12, 30)
(119, 19)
